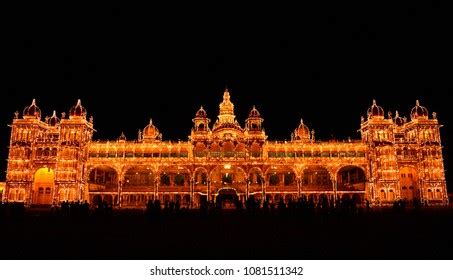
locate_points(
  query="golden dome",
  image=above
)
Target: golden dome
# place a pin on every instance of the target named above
(201, 113)
(150, 131)
(254, 113)
(302, 131)
(375, 111)
(419, 111)
(78, 110)
(53, 120)
(32, 110)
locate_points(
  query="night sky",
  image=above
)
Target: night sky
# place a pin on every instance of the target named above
(323, 64)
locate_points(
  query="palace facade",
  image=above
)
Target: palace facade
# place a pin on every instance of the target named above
(55, 160)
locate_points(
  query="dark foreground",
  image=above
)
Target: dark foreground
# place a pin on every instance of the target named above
(380, 234)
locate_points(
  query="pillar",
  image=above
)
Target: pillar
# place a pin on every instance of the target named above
(299, 183)
(191, 193)
(247, 188)
(120, 190)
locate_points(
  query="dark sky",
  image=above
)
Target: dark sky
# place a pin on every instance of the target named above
(322, 63)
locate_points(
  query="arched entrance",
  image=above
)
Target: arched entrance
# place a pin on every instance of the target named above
(227, 197)
(43, 186)
(351, 178)
(408, 183)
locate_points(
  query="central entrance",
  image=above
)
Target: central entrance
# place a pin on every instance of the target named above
(227, 197)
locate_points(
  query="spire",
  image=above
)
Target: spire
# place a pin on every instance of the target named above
(122, 137)
(79, 103)
(150, 121)
(374, 102)
(226, 114)
(54, 113)
(226, 95)
(33, 102)
(417, 103)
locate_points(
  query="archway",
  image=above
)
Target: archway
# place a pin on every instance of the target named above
(43, 186)
(316, 178)
(227, 197)
(138, 178)
(228, 176)
(103, 178)
(408, 183)
(351, 178)
(200, 177)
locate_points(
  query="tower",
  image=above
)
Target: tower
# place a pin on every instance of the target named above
(423, 132)
(27, 138)
(76, 133)
(377, 133)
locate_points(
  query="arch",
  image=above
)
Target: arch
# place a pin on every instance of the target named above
(274, 179)
(408, 178)
(228, 175)
(43, 184)
(240, 147)
(165, 179)
(316, 178)
(351, 178)
(255, 150)
(200, 176)
(227, 197)
(179, 180)
(102, 178)
(96, 200)
(139, 178)
(200, 149)
(21, 194)
(255, 176)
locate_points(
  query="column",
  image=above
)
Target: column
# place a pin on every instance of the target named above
(208, 192)
(120, 190)
(298, 180)
(191, 193)
(335, 187)
(247, 188)
(156, 189)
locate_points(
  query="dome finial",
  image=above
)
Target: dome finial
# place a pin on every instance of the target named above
(301, 121)
(33, 102)
(150, 121)
(397, 114)
(54, 113)
(79, 102)
(374, 102)
(417, 103)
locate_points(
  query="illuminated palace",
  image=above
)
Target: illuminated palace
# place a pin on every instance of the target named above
(55, 160)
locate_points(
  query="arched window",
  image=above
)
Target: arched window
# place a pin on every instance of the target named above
(164, 179)
(179, 180)
(274, 179)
